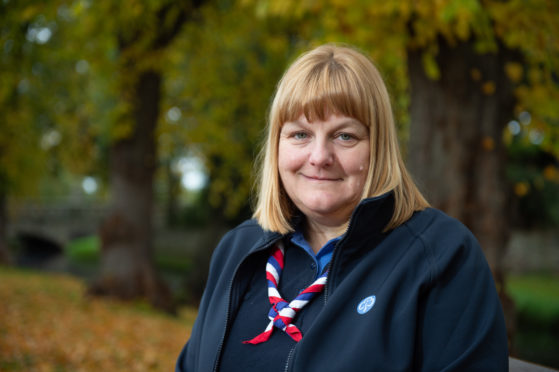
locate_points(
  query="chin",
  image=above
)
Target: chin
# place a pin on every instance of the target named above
(324, 210)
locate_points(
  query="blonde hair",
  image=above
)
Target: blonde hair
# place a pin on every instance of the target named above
(326, 80)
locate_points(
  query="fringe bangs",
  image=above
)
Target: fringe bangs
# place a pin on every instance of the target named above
(329, 88)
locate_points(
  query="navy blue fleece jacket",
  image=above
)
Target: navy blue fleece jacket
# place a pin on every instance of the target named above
(435, 309)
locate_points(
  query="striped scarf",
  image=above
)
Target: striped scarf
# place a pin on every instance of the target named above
(282, 313)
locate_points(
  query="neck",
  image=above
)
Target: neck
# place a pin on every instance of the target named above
(318, 234)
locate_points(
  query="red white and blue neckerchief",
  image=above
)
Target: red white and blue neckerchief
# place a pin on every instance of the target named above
(282, 313)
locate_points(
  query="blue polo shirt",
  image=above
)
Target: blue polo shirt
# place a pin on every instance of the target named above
(324, 255)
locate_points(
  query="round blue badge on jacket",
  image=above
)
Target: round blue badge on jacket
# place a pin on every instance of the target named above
(366, 304)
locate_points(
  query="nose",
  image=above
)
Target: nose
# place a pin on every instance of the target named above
(321, 154)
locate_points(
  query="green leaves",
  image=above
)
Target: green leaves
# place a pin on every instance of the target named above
(221, 70)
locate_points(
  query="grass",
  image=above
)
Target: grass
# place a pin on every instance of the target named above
(47, 324)
(86, 250)
(536, 298)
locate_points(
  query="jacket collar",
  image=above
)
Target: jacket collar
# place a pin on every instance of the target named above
(364, 233)
(369, 218)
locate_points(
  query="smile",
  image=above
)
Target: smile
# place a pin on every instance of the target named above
(317, 178)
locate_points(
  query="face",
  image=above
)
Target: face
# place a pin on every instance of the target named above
(323, 166)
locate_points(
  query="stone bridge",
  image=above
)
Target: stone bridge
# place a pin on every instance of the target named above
(57, 223)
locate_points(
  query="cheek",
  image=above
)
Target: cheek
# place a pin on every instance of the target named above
(363, 162)
(363, 173)
(356, 163)
(363, 170)
(360, 173)
(289, 159)
(357, 167)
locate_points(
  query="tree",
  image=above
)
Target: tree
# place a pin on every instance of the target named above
(235, 61)
(456, 151)
(136, 42)
(459, 113)
(82, 81)
(28, 136)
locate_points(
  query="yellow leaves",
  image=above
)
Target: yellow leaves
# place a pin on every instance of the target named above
(540, 99)
(475, 73)
(122, 124)
(227, 85)
(291, 9)
(535, 75)
(488, 143)
(47, 324)
(514, 71)
(551, 173)
(526, 24)
(424, 33)
(404, 9)
(488, 88)
(284, 8)
(430, 66)
(22, 161)
(532, 28)
(460, 14)
(79, 7)
(521, 188)
(456, 20)
(30, 12)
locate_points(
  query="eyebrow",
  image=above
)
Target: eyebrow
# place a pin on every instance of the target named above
(344, 123)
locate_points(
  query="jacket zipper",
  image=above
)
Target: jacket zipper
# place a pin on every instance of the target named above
(334, 256)
(289, 356)
(229, 293)
(292, 351)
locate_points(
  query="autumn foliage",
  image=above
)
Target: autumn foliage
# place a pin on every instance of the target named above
(48, 325)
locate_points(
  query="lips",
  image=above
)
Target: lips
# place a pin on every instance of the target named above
(321, 178)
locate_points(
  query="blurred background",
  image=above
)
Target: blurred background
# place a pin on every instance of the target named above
(129, 132)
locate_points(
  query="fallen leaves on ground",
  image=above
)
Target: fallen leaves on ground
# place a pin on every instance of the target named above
(47, 324)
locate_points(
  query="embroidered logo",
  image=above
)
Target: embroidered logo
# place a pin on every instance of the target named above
(366, 304)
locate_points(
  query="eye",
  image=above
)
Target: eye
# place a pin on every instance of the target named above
(300, 135)
(345, 136)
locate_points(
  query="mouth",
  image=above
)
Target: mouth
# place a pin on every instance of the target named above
(321, 178)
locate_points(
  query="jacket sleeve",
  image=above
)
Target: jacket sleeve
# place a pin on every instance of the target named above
(200, 352)
(180, 366)
(189, 358)
(461, 322)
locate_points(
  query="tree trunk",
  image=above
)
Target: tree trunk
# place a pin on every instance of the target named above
(127, 269)
(173, 192)
(456, 151)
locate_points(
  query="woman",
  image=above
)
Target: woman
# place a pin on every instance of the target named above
(344, 267)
